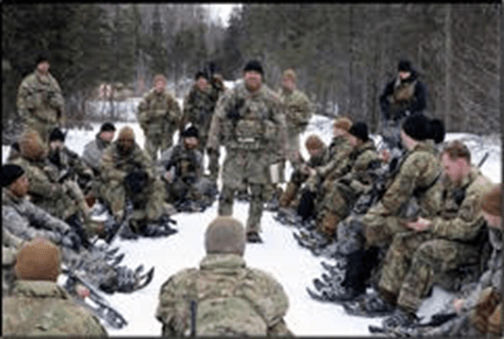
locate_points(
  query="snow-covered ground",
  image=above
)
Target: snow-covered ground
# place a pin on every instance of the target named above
(280, 255)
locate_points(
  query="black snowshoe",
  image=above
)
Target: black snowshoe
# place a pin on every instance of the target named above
(129, 281)
(369, 305)
(311, 240)
(116, 260)
(288, 216)
(160, 228)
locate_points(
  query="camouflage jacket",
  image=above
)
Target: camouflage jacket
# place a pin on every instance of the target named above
(10, 247)
(45, 308)
(460, 216)
(419, 169)
(158, 113)
(297, 110)
(253, 302)
(40, 97)
(27, 221)
(198, 109)
(115, 167)
(93, 152)
(248, 121)
(319, 160)
(66, 158)
(181, 163)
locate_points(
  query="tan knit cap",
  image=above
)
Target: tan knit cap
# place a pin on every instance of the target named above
(225, 235)
(313, 142)
(31, 145)
(290, 74)
(343, 123)
(126, 133)
(491, 202)
(38, 259)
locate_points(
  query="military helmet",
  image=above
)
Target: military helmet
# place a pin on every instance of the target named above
(225, 235)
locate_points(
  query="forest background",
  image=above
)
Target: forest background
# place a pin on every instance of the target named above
(343, 53)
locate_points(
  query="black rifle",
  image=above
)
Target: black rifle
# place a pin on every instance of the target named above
(193, 306)
(113, 227)
(101, 307)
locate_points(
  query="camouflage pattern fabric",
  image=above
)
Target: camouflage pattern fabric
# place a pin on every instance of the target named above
(40, 104)
(256, 127)
(232, 300)
(93, 152)
(159, 116)
(419, 168)
(45, 308)
(10, 247)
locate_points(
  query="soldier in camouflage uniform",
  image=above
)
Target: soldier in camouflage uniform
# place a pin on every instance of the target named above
(39, 306)
(40, 103)
(10, 247)
(199, 105)
(248, 118)
(159, 115)
(344, 191)
(125, 160)
(231, 299)
(181, 167)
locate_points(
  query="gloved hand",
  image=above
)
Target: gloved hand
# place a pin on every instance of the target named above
(136, 181)
(71, 240)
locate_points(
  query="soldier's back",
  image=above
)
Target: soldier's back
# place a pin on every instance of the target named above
(44, 308)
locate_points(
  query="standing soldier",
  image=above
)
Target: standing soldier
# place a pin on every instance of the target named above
(199, 105)
(248, 118)
(159, 115)
(39, 102)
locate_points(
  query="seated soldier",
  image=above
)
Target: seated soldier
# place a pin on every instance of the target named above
(39, 306)
(26, 221)
(438, 244)
(51, 190)
(224, 296)
(10, 246)
(128, 175)
(181, 168)
(319, 156)
(320, 177)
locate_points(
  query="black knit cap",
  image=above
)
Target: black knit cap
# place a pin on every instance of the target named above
(190, 132)
(56, 134)
(42, 56)
(201, 74)
(359, 129)
(107, 127)
(253, 65)
(417, 126)
(11, 173)
(404, 66)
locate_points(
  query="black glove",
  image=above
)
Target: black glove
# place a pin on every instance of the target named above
(306, 204)
(71, 240)
(136, 181)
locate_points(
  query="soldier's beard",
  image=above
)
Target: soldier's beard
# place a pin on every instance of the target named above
(252, 87)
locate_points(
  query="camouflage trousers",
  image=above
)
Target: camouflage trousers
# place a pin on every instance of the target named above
(291, 148)
(41, 127)
(196, 191)
(213, 159)
(155, 142)
(415, 259)
(337, 201)
(380, 228)
(255, 209)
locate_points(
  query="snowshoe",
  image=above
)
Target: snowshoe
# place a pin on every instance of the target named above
(322, 296)
(273, 205)
(310, 240)
(139, 269)
(333, 269)
(128, 281)
(155, 230)
(112, 252)
(399, 318)
(117, 260)
(254, 237)
(319, 285)
(127, 233)
(369, 306)
(242, 196)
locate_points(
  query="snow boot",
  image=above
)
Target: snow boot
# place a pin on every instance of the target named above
(254, 237)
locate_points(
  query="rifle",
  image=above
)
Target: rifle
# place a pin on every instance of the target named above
(193, 304)
(101, 308)
(113, 227)
(482, 161)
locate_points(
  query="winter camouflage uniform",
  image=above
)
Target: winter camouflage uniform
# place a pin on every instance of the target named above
(67, 160)
(93, 152)
(186, 169)
(418, 171)
(40, 104)
(159, 115)
(454, 239)
(297, 115)
(10, 246)
(246, 139)
(45, 308)
(114, 167)
(251, 302)
(344, 191)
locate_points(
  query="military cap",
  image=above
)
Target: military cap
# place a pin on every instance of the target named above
(126, 133)
(56, 135)
(290, 74)
(313, 142)
(343, 123)
(11, 173)
(225, 235)
(160, 77)
(200, 74)
(189, 132)
(41, 57)
(38, 259)
(31, 145)
(253, 65)
(491, 202)
(359, 129)
(404, 66)
(419, 127)
(107, 127)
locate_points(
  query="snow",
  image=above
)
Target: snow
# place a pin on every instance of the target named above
(280, 255)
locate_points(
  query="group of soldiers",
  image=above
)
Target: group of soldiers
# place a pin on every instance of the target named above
(399, 220)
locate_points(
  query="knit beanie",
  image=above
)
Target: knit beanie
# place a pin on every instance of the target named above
(225, 235)
(38, 259)
(189, 132)
(420, 128)
(313, 142)
(343, 123)
(42, 56)
(404, 66)
(11, 173)
(56, 135)
(491, 202)
(107, 127)
(359, 130)
(290, 74)
(253, 65)
(200, 74)
(126, 133)
(31, 145)
(159, 77)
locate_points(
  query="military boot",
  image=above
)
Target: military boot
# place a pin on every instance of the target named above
(328, 225)
(254, 237)
(288, 195)
(370, 305)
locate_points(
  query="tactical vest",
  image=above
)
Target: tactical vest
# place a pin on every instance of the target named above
(404, 94)
(185, 162)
